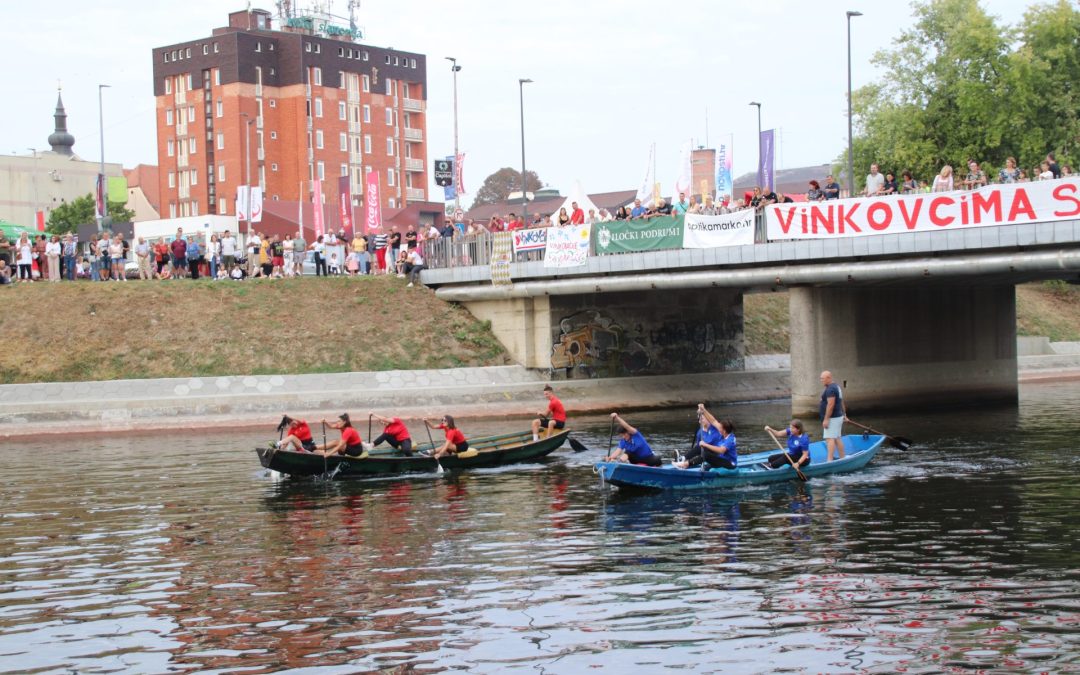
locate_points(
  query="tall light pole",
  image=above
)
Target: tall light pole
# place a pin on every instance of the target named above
(524, 194)
(33, 184)
(454, 68)
(760, 173)
(101, 169)
(850, 145)
(247, 168)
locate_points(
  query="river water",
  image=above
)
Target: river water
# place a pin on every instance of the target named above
(166, 553)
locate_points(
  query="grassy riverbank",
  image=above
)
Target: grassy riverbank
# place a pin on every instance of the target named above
(1050, 309)
(106, 331)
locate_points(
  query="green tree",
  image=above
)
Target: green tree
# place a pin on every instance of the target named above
(960, 86)
(81, 210)
(498, 186)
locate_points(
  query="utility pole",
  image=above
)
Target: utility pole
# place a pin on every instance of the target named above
(524, 191)
(101, 169)
(454, 68)
(850, 143)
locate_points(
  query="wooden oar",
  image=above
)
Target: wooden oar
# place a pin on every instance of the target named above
(898, 442)
(783, 450)
(610, 438)
(324, 447)
(577, 445)
(438, 466)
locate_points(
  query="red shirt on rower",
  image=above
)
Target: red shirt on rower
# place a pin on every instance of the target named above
(453, 435)
(396, 430)
(351, 436)
(558, 412)
(300, 429)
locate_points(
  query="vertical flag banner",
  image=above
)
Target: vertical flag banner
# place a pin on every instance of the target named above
(256, 204)
(242, 196)
(372, 214)
(723, 172)
(300, 209)
(682, 183)
(345, 203)
(449, 191)
(766, 175)
(317, 216)
(459, 172)
(501, 255)
(645, 192)
(99, 196)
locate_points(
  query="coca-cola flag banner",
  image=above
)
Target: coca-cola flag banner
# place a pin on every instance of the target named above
(372, 212)
(1006, 204)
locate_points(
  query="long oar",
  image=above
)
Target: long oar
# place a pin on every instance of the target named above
(898, 442)
(324, 447)
(438, 466)
(369, 436)
(783, 450)
(610, 438)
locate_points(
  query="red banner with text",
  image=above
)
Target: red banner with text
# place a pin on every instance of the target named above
(372, 212)
(317, 216)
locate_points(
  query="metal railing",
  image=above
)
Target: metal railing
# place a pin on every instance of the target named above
(412, 134)
(412, 164)
(412, 104)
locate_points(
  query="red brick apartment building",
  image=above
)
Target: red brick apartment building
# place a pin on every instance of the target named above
(314, 107)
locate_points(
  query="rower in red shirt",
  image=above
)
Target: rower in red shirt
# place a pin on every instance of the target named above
(297, 435)
(395, 433)
(455, 440)
(349, 444)
(551, 419)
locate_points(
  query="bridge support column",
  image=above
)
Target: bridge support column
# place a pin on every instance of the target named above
(914, 347)
(522, 325)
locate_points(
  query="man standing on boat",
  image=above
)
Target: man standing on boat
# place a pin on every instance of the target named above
(832, 416)
(395, 433)
(551, 419)
(633, 447)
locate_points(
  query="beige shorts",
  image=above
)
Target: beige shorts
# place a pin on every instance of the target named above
(835, 428)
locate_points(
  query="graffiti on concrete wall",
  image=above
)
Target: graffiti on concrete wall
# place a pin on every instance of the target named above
(592, 344)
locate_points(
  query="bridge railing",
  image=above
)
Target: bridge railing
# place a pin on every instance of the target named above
(475, 249)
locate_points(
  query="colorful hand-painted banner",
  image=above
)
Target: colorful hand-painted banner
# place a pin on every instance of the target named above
(1006, 204)
(732, 229)
(533, 239)
(567, 246)
(627, 236)
(500, 259)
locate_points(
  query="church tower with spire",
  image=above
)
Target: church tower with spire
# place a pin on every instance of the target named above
(60, 140)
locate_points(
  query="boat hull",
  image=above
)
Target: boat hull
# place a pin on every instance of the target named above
(490, 451)
(860, 450)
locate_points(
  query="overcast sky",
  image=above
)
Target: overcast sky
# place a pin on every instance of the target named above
(611, 78)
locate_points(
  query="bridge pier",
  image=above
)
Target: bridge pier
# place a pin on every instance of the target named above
(912, 347)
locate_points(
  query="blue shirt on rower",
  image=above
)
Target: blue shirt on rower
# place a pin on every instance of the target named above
(729, 451)
(637, 448)
(796, 445)
(831, 390)
(711, 436)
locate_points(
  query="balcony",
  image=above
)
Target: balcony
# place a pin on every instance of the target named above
(414, 194)
(412, 104)
(258, 121)
(414, 164)
(414, 134)
(354, 127)
(261, 154)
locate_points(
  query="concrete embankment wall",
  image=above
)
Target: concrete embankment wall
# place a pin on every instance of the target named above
(29, 410)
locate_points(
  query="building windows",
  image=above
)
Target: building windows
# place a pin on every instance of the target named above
(222, 209)
(188, 54)
(390, 175)
(172, 210)
(390, 147)
(191, 146)
(365, 56)
(165, 55)
(343, 142)
(215, 48)
(168, 117)
(318, 139)
(221, 141)
(195, 207)
(170, 149)
(168, 86)
(273, 103)
(366, 82)
(395, 60)
(273, 135)
(341, 110)
(320, 170)
(367, 144)
(172, 180)
(407, 120)
(412, 63)
(389, 117)
(220, 109)
(273, 167)
(344, 169)
(318, 107)
(406, 90)
(341, 79)
(367, 114)
(188, 82)
(307, 47)
(211, 174)
(194, 177)
(387, 59)
(389, 87)
(341, 51)
(258, 46)
(316, 74)
(217, 76)
(205, 50)
(221, 173)
(191, 113)
(392, 203)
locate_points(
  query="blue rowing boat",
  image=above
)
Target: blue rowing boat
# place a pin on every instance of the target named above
(752, 470)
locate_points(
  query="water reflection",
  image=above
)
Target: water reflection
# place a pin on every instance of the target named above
(134, 556)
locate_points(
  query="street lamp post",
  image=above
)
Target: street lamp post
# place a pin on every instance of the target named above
(761, 174)
(33, 184)
(524, 195)
(850, 145)
(101, 168)
(454, 68)
(247, 169)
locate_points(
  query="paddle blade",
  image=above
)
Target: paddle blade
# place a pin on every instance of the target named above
(901, 443)
(577, 446)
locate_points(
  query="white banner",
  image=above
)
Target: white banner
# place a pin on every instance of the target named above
(567, 246)
(242, 195)
(256, 204)
(533, 239)
(1006, 204)
(731, 229)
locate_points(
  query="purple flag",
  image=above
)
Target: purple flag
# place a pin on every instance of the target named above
(766, 172)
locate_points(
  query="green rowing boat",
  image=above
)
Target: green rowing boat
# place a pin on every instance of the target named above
(483, 452)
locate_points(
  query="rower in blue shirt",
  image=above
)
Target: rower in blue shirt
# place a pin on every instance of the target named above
(798, 446)
(633, 447)
(715, 444)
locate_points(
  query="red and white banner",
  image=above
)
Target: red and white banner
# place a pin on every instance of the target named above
(459, 172)
(243, 193)
(317, 215)
(1007, 204)
(345, 204)
(256, 204)
(99, 196)
(372, 212)
(532, 239)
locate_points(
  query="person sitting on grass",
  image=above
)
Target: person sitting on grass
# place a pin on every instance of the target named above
(723, 454)
(798, 446)
(633, 447)
(395, 433)
(297, 435)
(349, 444)
(455, 440)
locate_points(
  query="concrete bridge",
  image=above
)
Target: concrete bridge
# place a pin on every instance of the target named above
(909, 319)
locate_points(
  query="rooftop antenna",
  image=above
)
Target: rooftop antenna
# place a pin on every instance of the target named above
(353, 6)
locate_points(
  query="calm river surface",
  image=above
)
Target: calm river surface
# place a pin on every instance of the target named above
(179, 553)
